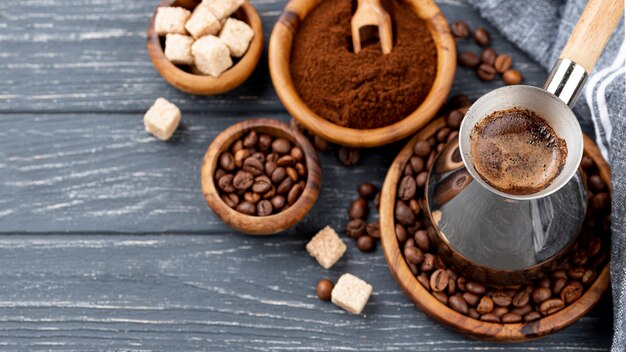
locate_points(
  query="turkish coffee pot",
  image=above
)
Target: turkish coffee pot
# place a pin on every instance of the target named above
(503, 238)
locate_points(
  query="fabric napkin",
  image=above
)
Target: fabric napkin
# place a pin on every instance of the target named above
(541, 29)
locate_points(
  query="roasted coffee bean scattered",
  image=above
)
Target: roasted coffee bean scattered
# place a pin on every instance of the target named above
(502, 63)
(468, 59)
(550, 294)
(511, 77)
(481, 36)
(488, 56)
(486, 72)
(460, 29)
(365, 243)
(349, 156)
(261, 175)
(324, 289)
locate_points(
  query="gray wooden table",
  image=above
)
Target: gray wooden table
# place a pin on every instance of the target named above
(106, 242)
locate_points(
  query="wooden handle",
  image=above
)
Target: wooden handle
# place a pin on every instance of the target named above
(593, 30)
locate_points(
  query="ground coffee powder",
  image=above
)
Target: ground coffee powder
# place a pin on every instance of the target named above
(369, 89)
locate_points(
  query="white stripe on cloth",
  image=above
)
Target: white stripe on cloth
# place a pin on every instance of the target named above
(600, 117)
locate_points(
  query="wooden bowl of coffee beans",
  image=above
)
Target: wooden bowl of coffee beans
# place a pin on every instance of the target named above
(437, 62)
(478, 309)
(260, 176)
(213, 74)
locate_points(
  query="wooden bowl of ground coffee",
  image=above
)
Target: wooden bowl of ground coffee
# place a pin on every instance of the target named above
(366, 99)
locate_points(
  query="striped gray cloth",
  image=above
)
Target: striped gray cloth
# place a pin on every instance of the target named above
(541, 28)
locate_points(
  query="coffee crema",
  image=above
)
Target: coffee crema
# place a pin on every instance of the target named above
(516, 151)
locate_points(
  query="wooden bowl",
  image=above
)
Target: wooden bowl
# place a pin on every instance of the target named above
(202, 84)
(260, 225)
(437, 310)
(281, 42)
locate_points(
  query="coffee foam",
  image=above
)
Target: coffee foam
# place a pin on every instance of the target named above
(516, 151)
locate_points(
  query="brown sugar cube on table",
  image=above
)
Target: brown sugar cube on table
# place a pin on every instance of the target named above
(171, 20)
(162, 119)
(351, 293)
(178, 49)
(326, 247)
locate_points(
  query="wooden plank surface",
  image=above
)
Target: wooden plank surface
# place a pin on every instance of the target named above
(106, 242)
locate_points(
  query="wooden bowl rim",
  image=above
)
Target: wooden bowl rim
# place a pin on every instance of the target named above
(260, 225)
(204, 84)
(280, 57)
(424, 300)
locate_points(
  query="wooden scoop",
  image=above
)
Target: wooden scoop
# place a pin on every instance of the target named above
(371, 13)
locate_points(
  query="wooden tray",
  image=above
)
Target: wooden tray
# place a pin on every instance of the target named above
(432, 307)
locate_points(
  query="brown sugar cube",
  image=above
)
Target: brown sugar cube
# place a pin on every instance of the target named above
(178, 49)
(351, 293)
(223, 8)
(237, 36)
(326, 247)
(211, 56)
(171, 20)
(202, 22)
(162, 119)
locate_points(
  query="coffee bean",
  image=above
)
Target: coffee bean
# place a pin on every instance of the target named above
(297, 153)
(440, 147)
(442, 135)
(490, 318)
(279, 175)
(576, 273)
(251, 197)
(488, 56)
(413, 255)
(594, 246)
(588, 164)
(468, 59)
(272, 157)
(439, 280)
(270, 166)
(572, 292)
(367, 190)
(400, 233)
(300, 169)
(264, 208)
(285, 186)
(417, 164)
(511, 77)
(454, 118)
(500, 311)
(237, 146)
(246, 208)
(460, 29)
(365, 243)
(254, 166)
(471, 298)
(403, 214)
(458, 304)
(324, 289)
(320, 144)
(481, 36)
(441, 297)
(292, 173)
(558, 284)
(225, 183)
(218, 174)
(421, 149)
(227, 161)
(250, 140)
(541, 294)
(421, 179)
(588, 276)
(476, 288)
(432, 141)
(461, 283)
(281, 146)
(532, 316)
(408, 170)
(423, 279)
(509, 318)
(415, 206)
(486, 72)
(286, 160)
(270, 194)
(262, 184)
(429, 262)
(240, 156)
(580, 257)
(243, 180)
(278, 202)
(600, 202)
(421, 240)
(551, 306)
(294, 193)
(349, 156)
(545, 282)
(355, 228)
(523, 309)
(373, 229)
(596, 184)
(459, 101)
(358, 209)
(230, 199)
(407, 188)
(520, 299)
(559, 274)
(265, 142)
(485, 305)
(451, 285)
(503, 63)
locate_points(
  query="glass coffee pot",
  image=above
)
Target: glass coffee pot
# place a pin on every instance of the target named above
(502, 238)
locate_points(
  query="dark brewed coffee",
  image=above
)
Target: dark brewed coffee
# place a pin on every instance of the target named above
(516, 151)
